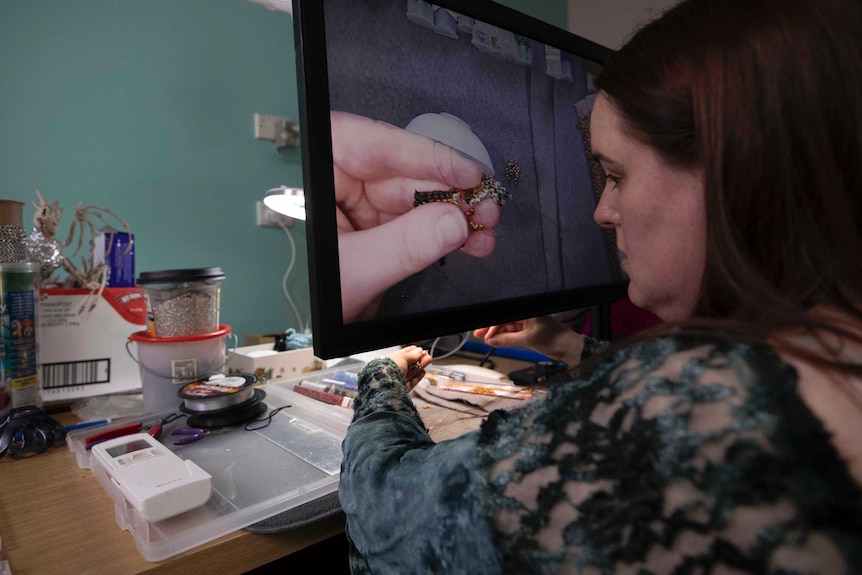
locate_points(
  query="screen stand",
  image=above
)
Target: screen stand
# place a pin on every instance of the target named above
(601, 322)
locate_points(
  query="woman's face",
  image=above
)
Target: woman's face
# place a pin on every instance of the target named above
(658, 212)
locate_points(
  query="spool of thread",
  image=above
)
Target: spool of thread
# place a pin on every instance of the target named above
(218, 393)
(222, 401)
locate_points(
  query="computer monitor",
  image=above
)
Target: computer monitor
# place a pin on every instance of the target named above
(509, 92)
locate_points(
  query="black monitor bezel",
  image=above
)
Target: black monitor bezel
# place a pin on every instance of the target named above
(331, 336)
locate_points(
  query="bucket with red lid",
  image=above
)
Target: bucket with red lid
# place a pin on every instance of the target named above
(168, 363)
(184, 340)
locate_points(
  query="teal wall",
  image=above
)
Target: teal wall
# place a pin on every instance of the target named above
(146, 108)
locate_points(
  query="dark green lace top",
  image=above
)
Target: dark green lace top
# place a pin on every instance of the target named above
(673, 455)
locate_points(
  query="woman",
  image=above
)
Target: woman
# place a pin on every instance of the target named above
(724, 441)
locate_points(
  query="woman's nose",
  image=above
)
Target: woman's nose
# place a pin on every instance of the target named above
(606, 215)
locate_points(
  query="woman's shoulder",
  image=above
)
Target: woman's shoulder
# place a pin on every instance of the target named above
(696, 360)
(670, 387)
(686, 380)
(713, 430)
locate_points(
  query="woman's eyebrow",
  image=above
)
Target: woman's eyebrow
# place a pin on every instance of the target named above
(604, 160)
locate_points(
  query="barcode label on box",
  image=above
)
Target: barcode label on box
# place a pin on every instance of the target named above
(72, 373)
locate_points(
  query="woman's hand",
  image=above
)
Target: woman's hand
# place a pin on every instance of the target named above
(543, 334)
(412, 360)
(382, 238)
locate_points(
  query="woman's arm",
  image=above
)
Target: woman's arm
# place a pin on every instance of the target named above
(411, 505)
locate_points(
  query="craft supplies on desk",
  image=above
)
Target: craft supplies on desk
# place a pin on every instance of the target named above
(154, 430)
(293, 459)
(330, 398)
(85, 424)
(509, 391)
(182, 302)
(115, 250)
(338, 387)
(168, 363)
(153, 479)
(185, 435)
(222, 401)
(19, 381)
(27, 431)
(270, 365)
(448, 379)
(332, 386)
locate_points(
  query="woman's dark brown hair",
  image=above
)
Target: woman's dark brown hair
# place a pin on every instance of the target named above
(766, 97)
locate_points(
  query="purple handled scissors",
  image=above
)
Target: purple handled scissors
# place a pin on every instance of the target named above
(192, 434)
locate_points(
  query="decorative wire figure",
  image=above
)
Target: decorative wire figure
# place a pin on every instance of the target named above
(45, 249)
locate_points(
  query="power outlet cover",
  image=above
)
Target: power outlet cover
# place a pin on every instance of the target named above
(267, 218)
(267, 127)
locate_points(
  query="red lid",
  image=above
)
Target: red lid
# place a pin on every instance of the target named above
(146, 337)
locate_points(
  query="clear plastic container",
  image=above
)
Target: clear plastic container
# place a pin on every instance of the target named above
(182, 302)
(299, 451)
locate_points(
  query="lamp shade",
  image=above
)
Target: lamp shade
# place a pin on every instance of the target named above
(286, 201)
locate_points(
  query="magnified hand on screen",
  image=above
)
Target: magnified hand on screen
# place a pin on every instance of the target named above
(382, 238)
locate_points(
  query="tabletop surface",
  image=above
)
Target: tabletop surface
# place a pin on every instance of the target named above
(55, 517)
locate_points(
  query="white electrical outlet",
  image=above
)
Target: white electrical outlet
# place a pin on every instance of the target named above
(267, 218)
(267, 127)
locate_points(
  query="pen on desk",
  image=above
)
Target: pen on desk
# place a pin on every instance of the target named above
(85, 424)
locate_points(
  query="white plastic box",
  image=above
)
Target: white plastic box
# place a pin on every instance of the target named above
(256, 474)
(271, 366)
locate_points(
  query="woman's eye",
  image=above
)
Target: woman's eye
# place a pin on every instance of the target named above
(614, 179)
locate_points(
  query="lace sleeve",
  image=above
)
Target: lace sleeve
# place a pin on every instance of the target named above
(673, 456)
(412, 506)
(382, 388)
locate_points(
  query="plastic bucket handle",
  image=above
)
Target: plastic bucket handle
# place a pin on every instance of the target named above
(229, 355)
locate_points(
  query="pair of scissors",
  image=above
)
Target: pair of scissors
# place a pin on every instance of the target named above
(154, 430)
(192, 434)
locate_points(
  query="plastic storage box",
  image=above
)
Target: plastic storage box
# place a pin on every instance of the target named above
(256, 474)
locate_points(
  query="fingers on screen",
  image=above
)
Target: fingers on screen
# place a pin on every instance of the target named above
(375, 259)
(455, 169)
(366, 147)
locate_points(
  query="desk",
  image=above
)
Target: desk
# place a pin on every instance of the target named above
(55, 518)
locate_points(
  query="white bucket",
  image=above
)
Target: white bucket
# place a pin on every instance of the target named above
(168, 363)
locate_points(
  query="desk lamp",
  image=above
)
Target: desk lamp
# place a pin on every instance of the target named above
(286, 201)
(289, 202)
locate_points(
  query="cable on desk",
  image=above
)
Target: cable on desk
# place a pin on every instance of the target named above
(486, 357)
(464, 337)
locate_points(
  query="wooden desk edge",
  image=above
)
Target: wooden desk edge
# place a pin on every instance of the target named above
(241, 551)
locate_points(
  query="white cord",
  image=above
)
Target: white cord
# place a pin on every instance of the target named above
(300, 324)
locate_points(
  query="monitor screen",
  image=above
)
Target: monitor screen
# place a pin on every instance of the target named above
(509, 93)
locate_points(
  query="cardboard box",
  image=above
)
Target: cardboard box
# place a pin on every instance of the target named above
(270, 365)
(82, 342)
